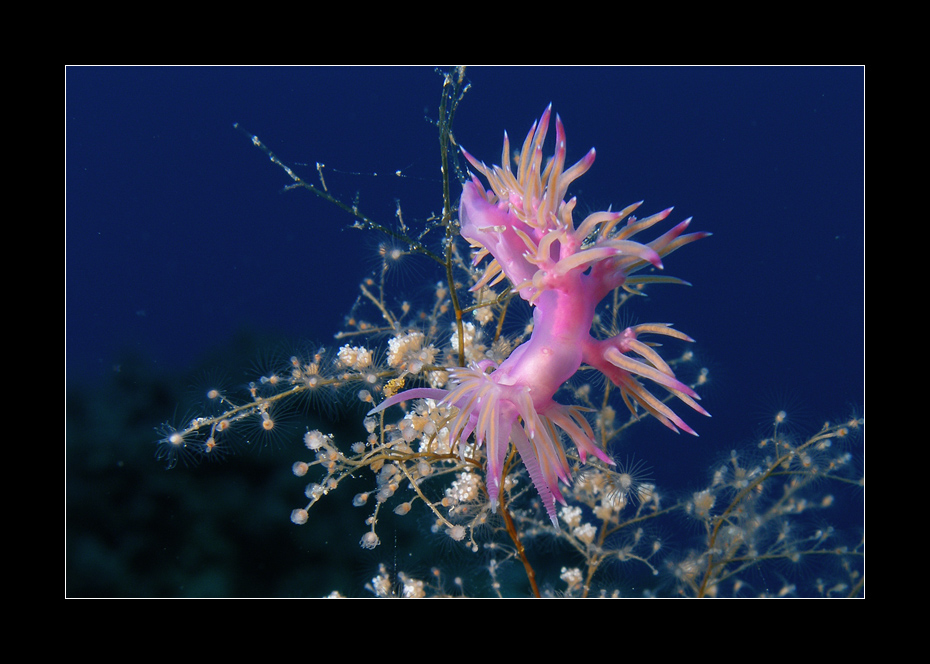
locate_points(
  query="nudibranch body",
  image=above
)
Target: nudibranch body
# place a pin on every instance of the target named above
(564, 271)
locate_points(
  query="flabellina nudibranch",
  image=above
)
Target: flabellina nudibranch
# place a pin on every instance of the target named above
(564, 271)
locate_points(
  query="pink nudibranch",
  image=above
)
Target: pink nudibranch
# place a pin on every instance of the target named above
(524, 224)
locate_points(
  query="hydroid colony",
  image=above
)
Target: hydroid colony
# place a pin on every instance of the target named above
(480, 439)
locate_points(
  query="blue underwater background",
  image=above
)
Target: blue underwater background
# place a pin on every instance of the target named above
(185, 257)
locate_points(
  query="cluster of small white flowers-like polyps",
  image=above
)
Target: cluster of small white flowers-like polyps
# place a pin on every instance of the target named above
(572, 577)
(474, 349)
(381, 584)
(315, 439)
(438, 443)
(701, 503)
(437, 379)
(425, 422)
(483, 315)
(413, 588)
(571, 515)
(585, 532)
(407, 352)
(465, 488)
(354, 357)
